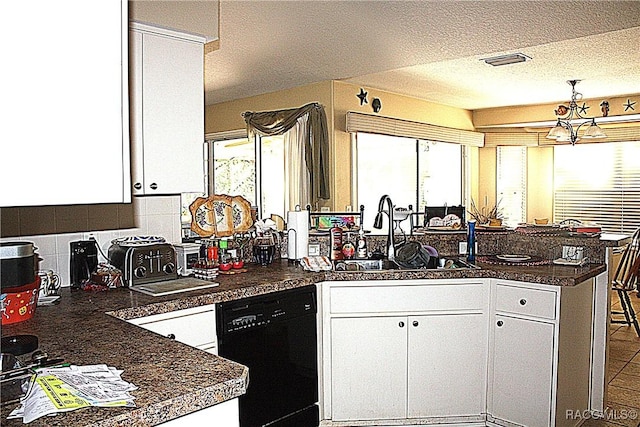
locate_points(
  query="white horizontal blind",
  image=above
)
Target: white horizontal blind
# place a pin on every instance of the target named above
(358, 122)
(511, 184)
(599, 182)
(496, 139)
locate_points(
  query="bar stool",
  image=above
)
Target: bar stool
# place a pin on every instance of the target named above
(625, 280)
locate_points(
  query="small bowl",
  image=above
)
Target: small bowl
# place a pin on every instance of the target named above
(541, 221)
(237, 264)
(225, 266)
(495, 222)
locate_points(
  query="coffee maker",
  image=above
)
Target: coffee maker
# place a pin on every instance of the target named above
(84, 261)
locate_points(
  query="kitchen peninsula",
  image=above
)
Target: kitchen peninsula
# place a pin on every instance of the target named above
(175, 379)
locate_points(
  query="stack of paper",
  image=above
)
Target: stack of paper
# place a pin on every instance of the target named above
(62, 389)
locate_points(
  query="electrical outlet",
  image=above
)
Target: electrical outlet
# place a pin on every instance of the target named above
(89, 236)
(462, 248)
(575, 253)
(314, 249)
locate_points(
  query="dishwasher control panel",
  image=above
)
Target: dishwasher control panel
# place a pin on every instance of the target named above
(245, 322)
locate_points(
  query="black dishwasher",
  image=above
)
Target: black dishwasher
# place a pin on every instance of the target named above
(275, 336)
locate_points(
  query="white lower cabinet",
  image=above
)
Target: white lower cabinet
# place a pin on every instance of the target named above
(540, 354)
(223, 414)
(405, 362)
(192, 326)
(196, 327)
(465, 352)
(521, 382)
(368, 368)
(446, 365)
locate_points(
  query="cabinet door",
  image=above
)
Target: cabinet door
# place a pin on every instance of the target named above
(520, 389)
(65, 127)
(225, 414)
(368, 368)
(195, 327)
(447, 365)
(168, 135)
(135, 113)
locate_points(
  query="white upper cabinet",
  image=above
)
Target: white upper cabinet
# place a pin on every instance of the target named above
(167, 111)
(65, 127)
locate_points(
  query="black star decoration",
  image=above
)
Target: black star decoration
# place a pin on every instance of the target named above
(583, 109)
(629, 105)
(363, 97)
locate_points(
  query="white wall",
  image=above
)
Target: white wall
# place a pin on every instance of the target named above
(154, 216)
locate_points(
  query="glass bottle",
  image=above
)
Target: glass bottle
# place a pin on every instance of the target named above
(471, 241)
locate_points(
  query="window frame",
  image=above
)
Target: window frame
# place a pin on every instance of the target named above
(465, 171)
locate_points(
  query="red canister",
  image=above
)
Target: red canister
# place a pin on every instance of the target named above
(19, 303)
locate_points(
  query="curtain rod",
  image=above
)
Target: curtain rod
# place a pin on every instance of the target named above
(316, 104)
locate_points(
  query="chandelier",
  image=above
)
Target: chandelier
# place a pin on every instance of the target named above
(564, 130)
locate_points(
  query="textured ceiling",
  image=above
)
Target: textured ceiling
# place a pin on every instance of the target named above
(428, 49)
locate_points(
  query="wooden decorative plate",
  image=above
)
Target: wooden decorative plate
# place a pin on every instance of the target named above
(220, 215)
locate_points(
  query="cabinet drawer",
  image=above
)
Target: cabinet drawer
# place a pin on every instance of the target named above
(193, 327)
(529, 302)
(372, 299)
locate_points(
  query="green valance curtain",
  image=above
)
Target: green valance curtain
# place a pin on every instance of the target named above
(314, 140)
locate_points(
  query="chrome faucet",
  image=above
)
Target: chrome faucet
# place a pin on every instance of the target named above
(377, 223)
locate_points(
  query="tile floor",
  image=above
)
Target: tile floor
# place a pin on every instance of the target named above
(623, 396)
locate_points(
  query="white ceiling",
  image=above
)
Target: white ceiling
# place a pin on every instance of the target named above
(428, 49)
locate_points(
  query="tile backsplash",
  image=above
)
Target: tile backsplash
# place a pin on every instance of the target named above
(153, 216)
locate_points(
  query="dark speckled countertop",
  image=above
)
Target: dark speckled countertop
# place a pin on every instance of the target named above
(175, 379)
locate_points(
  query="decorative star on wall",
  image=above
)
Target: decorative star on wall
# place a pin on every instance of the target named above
(363, 97)
(583, 109)
(629, 105)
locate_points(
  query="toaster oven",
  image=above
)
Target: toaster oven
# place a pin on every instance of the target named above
(144, 263)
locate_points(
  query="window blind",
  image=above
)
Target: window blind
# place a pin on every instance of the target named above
(511, 183)
(599, 182)
(496, 139)
(358, 122)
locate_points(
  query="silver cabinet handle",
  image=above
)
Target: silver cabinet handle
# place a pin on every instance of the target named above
(171, 336)
(401, 324)
(415, 323)
(523, 301)
(153, 186)
(500, 323)
(137, 186)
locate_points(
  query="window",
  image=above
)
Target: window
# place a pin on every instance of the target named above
(598, 182)
(235, 170)
(412, 172)
(272, 187)
(511, 184)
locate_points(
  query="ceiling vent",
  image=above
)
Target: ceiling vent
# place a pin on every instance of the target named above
(512, 58)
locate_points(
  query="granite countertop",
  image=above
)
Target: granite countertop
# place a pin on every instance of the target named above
(173, 378)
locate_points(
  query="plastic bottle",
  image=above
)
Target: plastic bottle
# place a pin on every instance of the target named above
(362, 245)
(335, 247)
(212, 253)
(224, 244)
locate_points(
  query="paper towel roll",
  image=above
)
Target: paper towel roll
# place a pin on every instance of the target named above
(297, 234)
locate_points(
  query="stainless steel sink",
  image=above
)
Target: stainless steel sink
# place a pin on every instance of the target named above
(450, 263)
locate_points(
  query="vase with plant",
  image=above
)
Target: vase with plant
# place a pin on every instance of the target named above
(485, 215)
